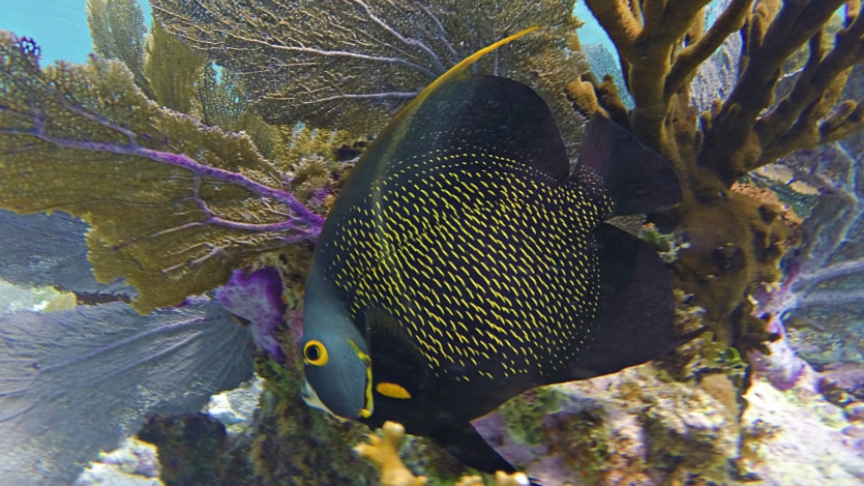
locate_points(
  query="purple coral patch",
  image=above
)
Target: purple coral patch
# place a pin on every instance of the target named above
(257, 297)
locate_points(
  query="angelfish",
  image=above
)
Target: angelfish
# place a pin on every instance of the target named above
(464, 263)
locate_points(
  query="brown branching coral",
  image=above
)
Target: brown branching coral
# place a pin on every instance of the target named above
(353, 64)
(733, 242)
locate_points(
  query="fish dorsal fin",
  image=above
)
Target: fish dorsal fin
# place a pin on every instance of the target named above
(459, 69)
(636, 309)
(638, 179)
(390, 148)
(396, 359)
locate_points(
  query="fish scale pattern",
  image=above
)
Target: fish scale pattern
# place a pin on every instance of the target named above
(483, 261)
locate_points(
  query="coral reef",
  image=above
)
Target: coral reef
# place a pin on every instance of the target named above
(179, 207)
(633, 427)
(734, 242)
(134, 463)
(816, 308)
(639, 428)
(353, 64)
(298, 445)
(194, 450)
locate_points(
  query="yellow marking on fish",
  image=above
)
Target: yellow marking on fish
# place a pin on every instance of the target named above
(392, 390)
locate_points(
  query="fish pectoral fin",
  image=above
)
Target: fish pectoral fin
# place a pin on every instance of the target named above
(638, 179)
(636, 312)
(396, 360)
(468, 446)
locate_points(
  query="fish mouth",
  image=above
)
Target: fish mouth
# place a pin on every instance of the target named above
(310, 396)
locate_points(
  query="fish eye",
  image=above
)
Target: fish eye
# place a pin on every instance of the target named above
(315, 353)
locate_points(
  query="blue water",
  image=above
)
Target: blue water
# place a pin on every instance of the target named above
(58, 26)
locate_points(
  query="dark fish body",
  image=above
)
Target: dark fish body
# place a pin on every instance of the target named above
(474, 265)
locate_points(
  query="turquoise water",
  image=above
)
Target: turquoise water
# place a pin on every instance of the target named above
(59, 26)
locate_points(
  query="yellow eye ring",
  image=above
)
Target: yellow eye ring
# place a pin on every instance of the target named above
(315, 353)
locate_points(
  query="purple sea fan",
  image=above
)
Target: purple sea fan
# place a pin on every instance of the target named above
(257, 297)
(817, 309)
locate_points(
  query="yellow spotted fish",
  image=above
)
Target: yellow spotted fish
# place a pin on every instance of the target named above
(466, 262)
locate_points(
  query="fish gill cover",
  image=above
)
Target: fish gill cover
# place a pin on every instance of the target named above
(177, 229)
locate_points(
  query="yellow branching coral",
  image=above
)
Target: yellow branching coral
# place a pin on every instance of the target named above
(353, 64)
(733, 241)
(383, 452)
(174, 205)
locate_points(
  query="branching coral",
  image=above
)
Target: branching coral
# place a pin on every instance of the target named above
(383, 452)
(174, 205)
(735, 242)
(353, 64)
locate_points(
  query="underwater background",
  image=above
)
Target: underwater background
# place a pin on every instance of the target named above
(162, 347)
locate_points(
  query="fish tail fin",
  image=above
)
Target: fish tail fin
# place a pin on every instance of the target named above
(636, 311)
(456, 71)
(638, 179)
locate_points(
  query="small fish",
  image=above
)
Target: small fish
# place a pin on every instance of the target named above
(464, 263)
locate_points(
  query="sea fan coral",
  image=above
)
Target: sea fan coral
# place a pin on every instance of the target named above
(353, 64)
(75, 382)
(173, 204)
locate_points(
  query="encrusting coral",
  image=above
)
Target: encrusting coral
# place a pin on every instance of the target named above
(734, 242)
(353, 64)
